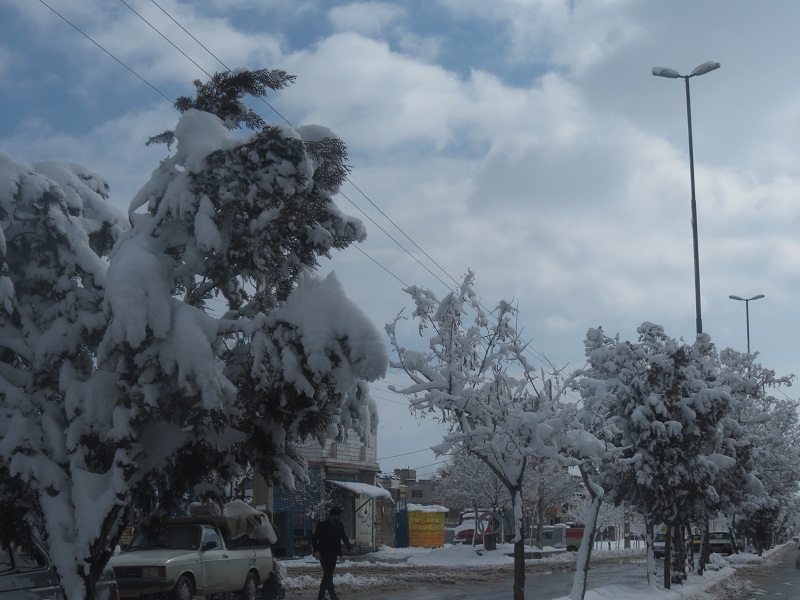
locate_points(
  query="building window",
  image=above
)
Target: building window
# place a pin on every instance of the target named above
(332, 453)
(416, 494)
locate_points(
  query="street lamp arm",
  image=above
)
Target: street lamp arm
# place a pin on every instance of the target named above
(757, 297)
(706, 67)
(665, 72)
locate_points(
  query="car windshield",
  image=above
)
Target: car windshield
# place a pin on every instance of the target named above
(178, 537)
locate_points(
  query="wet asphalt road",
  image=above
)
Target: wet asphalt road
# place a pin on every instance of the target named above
(779, 580)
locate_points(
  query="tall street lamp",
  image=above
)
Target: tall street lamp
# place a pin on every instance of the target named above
(706, 67)
(747, 313)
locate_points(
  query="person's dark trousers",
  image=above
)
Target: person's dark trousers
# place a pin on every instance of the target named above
(328, 563)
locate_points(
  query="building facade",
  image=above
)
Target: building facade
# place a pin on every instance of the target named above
(342, 473)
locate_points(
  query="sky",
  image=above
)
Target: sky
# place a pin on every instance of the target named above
(525, 140)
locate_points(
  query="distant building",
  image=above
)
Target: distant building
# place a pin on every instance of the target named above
(403, 485)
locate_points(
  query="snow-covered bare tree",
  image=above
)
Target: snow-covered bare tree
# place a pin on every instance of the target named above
(466, 481)
(550, 486)
(474, 376)
(118, 376)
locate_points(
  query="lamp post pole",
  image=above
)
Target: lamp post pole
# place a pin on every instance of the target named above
(706, 67)
(747, 313)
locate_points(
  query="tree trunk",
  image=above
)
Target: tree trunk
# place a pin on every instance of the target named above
(651, 560)
(519, 569)
(585, 551)
(690, 548)
(540, 508)
(475, 523)
(667, 555)
(678, 559)
(705, 550)
(100, 553)
(732, 531)
(590, 526)
(519, 543)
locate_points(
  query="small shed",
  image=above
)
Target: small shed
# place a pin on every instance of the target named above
(365, 511)
(426, 525)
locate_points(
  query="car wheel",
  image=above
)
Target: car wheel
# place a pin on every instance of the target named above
(250, 589)
(184, 589)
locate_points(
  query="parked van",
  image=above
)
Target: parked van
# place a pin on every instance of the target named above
(572, 537)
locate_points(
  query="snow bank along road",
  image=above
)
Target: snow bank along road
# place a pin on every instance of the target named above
(455, 574)
(364, 578)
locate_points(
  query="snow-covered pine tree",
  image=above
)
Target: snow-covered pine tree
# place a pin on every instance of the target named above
(245, 221)
(56, 231)
(120, 379)
(771, 432)
(242, 221)
(659, 400)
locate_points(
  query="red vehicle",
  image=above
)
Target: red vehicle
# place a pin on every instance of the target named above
(464, 531)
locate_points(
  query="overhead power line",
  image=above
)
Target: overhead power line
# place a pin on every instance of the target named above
(169, 41)
(357, 188)
(204, 47)
(171, 101)
(535, 353)
(404, 454)
(76, 28)
(350, 181)
(391, 237)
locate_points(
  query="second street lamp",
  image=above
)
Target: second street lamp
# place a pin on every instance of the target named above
(747, 313)
(706, 67)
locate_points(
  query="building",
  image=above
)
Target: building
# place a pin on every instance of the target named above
(342, 473)
(403, 485)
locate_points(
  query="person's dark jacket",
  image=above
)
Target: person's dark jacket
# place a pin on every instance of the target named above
(328, 538)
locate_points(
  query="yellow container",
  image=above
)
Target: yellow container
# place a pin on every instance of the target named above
(426, 529)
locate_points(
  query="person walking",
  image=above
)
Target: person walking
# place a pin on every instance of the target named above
(327, 546)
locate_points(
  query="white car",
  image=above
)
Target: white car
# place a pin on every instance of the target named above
(192, 556)
(720, 542)
(28, 574)
(659, 545)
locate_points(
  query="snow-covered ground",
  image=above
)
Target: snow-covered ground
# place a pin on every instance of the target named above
(387, 565)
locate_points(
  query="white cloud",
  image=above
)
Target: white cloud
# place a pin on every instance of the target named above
(115, 149)
(366, 18)
(575, 35)
(557, 169)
